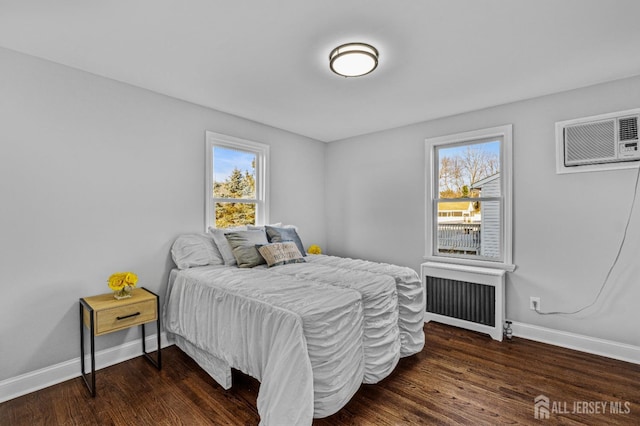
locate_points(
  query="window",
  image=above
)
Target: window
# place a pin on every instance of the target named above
(236, 182)
(469, 198)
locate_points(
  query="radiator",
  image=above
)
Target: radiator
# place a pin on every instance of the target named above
(465, 296)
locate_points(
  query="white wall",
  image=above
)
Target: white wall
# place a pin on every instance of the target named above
(567, 227)
(96, 177)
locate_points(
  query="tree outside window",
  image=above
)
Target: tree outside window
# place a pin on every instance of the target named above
(236, 182)
(468, 220)
(469, 209)
(234, 185)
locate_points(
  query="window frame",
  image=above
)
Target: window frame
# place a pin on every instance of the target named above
(505, 133)
(261, 152)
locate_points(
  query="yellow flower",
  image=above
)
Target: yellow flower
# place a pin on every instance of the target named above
(120, 280)
(131, 279)
(314, 249)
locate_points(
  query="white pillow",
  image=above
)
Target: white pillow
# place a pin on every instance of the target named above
(191, 250)
(261, 227)
(223, 245)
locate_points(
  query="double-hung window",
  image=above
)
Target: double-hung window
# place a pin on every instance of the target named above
(236, 182)
(469, 198)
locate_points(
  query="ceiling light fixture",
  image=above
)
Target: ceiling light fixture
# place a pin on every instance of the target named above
(353, 59)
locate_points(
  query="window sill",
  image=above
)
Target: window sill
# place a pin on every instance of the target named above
(468, 262)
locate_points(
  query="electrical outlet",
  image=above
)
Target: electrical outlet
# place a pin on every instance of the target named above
(534, 303)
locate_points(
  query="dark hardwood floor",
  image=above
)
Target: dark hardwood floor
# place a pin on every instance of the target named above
(461, 377)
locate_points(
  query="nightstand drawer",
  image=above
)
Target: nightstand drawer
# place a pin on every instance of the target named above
(121, 317)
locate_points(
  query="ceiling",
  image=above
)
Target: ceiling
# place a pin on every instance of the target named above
(268, 60)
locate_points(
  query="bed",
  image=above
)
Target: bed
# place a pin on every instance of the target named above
(311, 329)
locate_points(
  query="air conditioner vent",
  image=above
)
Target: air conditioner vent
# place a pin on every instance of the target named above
(629, 129)
(589, 143)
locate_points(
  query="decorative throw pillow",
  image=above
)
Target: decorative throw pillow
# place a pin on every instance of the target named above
(243, 246)
(281, 253)
(280, 235)
(223, 245)
(191, 250)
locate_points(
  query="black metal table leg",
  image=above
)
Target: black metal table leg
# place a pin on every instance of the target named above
(158, 361)
(92, 387)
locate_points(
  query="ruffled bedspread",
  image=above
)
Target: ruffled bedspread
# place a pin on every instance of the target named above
(411, 296)
(380, 305)
(311, 332)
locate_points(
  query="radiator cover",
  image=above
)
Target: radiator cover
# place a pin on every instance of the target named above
(465, 296)
(461, 299)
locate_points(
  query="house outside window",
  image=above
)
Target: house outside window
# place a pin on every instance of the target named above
(469, 198)
(236, 182)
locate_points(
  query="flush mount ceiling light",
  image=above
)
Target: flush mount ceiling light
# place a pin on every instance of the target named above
(353, 59)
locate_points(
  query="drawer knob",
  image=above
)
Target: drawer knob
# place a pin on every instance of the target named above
(128, 316)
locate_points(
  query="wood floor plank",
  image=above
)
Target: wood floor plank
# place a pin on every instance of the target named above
(461, 377)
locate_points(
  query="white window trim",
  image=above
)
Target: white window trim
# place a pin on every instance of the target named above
(506, 133)
(262, 174)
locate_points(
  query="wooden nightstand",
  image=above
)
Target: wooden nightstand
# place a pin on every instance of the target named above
(104, 314)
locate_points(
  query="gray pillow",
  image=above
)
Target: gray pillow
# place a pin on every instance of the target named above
(191, 250)
(280, 235)
(223, 245)
(243, 246)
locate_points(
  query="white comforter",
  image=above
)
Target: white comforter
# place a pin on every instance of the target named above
(411, 296)
(310, 332)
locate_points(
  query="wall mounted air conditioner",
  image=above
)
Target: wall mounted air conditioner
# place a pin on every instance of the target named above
(601, 142)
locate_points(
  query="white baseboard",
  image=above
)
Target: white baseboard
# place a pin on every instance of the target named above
(58, 373)
(592, 345)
